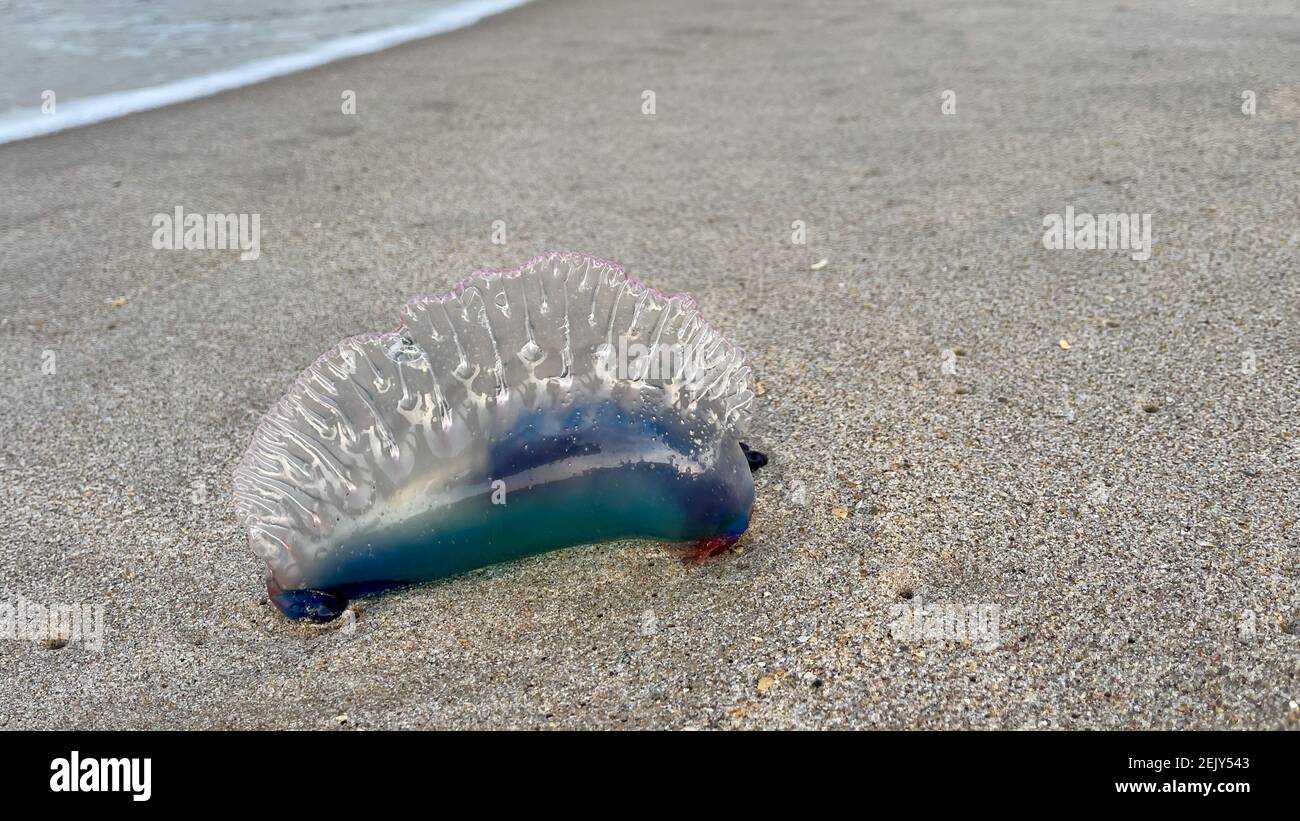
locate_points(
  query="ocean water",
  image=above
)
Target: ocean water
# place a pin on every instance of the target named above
(65, 63)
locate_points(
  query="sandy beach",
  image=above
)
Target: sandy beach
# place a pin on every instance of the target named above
(1098, 454)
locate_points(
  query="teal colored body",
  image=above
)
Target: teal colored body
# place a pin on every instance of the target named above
(597, 474)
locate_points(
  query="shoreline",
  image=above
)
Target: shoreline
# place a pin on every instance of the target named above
(30, 123)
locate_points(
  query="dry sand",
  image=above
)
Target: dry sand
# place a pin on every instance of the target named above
(1127, 505)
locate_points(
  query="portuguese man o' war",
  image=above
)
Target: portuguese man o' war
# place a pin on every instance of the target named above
(554, 404)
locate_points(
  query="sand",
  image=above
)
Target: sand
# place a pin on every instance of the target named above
(1098, 456)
